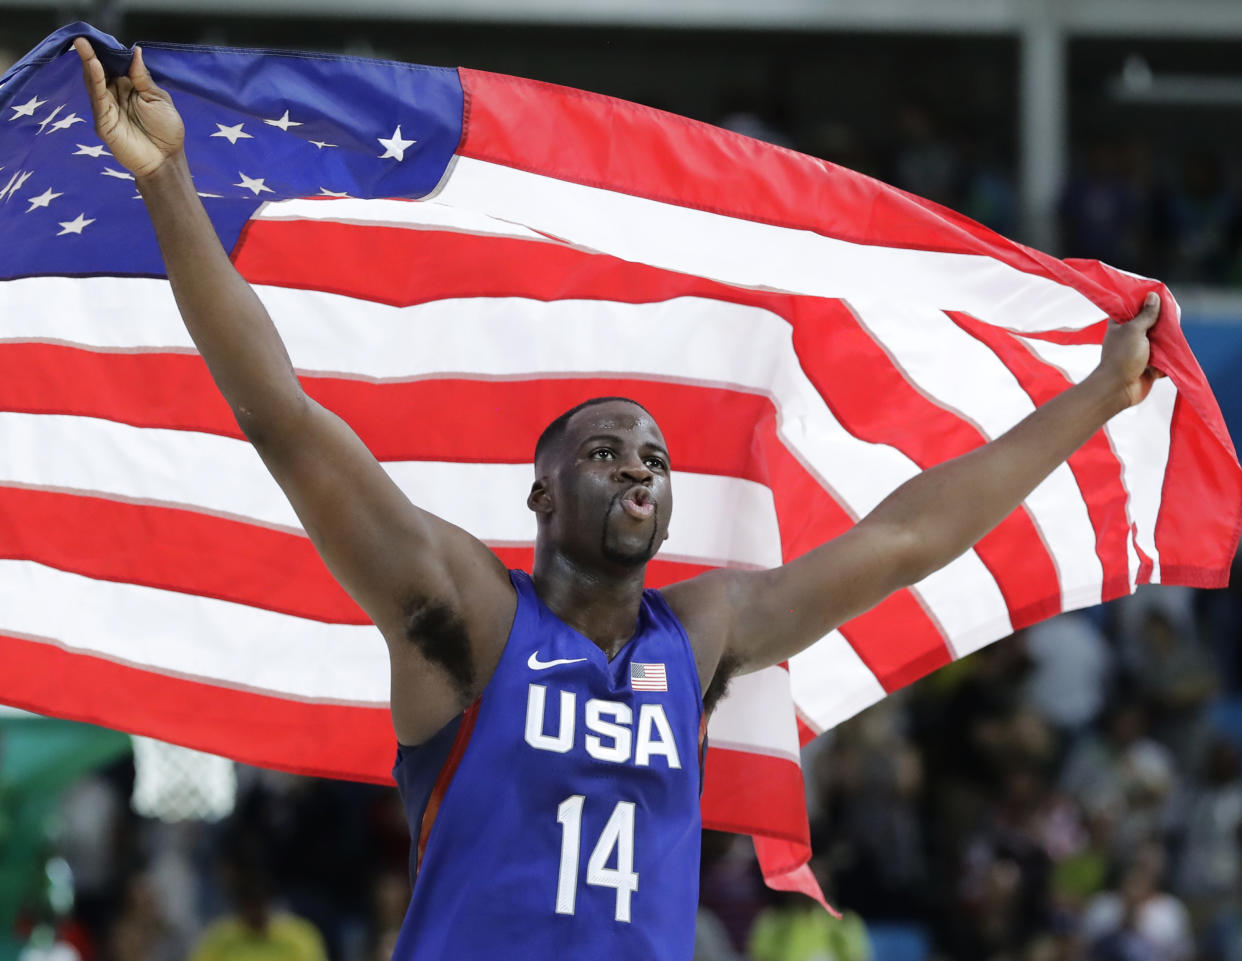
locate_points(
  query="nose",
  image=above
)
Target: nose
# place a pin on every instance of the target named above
(635, 471)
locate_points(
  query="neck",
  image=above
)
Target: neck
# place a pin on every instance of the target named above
(600, 603)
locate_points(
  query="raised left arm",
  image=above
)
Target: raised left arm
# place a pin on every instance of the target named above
(751, 620)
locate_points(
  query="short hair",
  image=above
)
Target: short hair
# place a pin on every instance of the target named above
(554, 433)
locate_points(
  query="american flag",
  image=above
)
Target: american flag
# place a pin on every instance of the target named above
(648, 677)
(807, 337)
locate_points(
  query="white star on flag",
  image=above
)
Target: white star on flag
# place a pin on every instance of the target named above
(27, 109)
(75, 225)
(68, 121)
(201, 194)
(232, 134)
(97, 151)
(394, 146)
(325, 192)
(42, 200)
(321, 143)
(50, 117)
(254, 184)
(284, 123)
(118, 174)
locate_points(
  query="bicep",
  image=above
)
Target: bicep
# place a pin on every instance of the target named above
(777, 613)
(387, 553)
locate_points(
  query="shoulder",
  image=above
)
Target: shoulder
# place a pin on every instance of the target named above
(705, 607)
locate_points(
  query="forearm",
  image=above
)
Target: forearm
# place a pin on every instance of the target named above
(229, 325)
(947, 508)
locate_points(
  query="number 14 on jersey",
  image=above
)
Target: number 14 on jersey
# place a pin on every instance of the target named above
(618, 834)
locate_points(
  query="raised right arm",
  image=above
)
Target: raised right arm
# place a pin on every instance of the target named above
(442, 600)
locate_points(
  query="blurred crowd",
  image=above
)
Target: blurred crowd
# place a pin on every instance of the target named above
(303, 870)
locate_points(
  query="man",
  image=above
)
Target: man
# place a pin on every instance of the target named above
(549, 724)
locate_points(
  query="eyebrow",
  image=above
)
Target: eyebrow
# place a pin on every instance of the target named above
(595, 438)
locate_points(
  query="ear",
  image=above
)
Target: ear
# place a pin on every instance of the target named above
(539, 500)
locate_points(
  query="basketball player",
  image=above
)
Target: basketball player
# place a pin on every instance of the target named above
(550, 724)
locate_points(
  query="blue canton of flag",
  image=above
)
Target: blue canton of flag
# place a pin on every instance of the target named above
(648, 677)
(67, 207)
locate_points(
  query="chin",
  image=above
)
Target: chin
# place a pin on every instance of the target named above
(630, 555)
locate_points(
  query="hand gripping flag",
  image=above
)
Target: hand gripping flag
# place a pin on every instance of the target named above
(453, 258)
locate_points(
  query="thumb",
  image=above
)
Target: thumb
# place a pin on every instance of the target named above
(139, 75)
(1149, 313)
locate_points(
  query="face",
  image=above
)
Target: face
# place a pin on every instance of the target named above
(604, 493)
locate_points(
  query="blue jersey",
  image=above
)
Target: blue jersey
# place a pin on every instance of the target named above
(558, 818)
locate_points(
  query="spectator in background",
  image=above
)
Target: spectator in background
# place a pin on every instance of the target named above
(1200, 214)
(925, 163)
(730, 885)
(839, 143)
(1172, 673)
(1105, 208)
(257, 930)
(1208, 812)
(390, 896)
(794, 928)
(987, 192)
(764, 117)
(1071, 674)
(1139, 921)
(870, 828)
(141, 932)
(1121, 777)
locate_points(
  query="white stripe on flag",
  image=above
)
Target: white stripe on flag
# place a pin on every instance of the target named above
(197, 637)
(758, 255)
(830, 682)
(751, 716)
(225, 476)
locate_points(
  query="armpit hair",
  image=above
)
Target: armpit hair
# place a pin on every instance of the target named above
(719, 686)
(439, 633)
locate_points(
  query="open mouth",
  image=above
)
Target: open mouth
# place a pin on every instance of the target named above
(638, 503)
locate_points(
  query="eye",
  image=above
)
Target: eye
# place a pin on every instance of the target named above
(602, 453)
(655, 463)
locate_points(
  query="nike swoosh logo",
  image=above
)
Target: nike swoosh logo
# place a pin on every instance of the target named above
(537, 665)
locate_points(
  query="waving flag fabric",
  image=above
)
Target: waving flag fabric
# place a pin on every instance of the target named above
(453, 258)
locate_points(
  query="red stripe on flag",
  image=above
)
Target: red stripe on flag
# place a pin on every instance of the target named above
(320, 740)
(1095, 467)
(202, 554)
(1196, 540)
(568, 134)
(172, 549)
(325, 740)
(493, 420)
(401, 267)
(754, 794)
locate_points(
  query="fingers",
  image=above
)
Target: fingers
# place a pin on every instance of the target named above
(93, 76)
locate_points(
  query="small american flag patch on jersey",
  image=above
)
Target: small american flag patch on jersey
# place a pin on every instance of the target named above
(648, 677)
